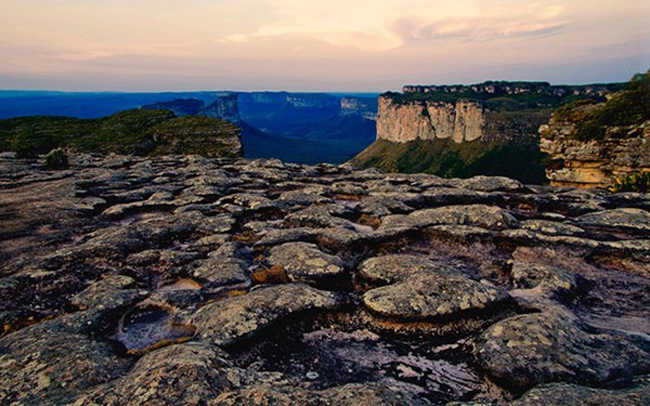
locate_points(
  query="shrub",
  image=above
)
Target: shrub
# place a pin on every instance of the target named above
(637, 182)
(625, 108)
(28, 143)
(57, 159)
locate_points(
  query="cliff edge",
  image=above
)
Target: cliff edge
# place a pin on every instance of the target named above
(428, 120)
(595, 144)
(133, 132)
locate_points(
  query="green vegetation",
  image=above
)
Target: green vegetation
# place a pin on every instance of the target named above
(139, 132)
(637, 182)
(57, 159)
(631, 106)
(31, 136)
(126, 132)
(520, 160)
(530, 95)
(195, 135)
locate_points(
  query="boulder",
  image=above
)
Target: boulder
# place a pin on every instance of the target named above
(238, 318)
(561, 394)
(389, 269)
(627, 219)
(530, 349)
(490, 217)
(305, 262)
(430, 296)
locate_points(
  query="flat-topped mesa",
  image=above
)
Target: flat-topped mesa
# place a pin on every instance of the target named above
(490, 111)
(428, 120)
(514, 88)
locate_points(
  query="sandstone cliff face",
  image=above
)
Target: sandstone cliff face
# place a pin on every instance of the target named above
(428, 120)
(598, 162)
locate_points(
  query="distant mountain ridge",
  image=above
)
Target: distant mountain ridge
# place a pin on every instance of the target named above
(296, 127)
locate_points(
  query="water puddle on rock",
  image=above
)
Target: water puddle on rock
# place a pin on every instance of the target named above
(330, 357)
(143, 329)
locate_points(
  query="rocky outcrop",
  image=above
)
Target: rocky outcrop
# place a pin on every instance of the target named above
(128, 280)
(491, 111)
(429, 120)
(135, 132)
(224, 107)
(601, 144)
(596, 162)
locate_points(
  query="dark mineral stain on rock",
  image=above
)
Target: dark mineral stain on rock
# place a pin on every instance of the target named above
(333, 356)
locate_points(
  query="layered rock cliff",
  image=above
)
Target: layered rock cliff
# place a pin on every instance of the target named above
(594, 144)
(465, 130)
(491, 111)
(429, 120)
(595, 163)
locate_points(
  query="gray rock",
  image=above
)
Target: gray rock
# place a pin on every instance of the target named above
(429, 296)
(187, 374)
(551, 227)
(320, 216)
(634, 220)
(238, 318)
(561, 394)
(492, 184)
(305, 262)
(249, 201)
(442, 196)
(282, 236)
(302, 198)
(41, 367)
(110, 293)
(225, 268)
(551, 279)
(348, 395)
(389, 269)
(523, 351)
(489, 217)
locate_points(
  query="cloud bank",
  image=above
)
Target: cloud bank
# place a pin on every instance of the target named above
(316, 45)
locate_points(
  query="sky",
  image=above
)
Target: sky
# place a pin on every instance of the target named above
(315, 45)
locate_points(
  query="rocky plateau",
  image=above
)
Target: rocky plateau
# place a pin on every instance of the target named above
(185, 280)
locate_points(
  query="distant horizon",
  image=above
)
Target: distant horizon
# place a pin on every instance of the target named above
(332, 92)
(316, 46)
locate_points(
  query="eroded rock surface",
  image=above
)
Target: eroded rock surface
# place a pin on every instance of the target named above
(186, 280)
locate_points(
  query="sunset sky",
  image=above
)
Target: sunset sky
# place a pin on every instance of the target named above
(313, 45)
